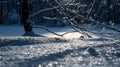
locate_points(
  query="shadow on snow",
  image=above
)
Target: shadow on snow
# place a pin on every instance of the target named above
(59, 55)
(28, 41)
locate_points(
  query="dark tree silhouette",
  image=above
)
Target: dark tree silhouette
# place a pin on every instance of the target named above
(25, 13)
(25, 16)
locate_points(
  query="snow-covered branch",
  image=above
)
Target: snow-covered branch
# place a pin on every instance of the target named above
(50, 18)
(43, 10)
(97, 22)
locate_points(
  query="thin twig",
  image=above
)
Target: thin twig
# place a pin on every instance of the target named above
(91, 8)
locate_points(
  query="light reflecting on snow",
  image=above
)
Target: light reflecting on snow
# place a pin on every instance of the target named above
(55, 52)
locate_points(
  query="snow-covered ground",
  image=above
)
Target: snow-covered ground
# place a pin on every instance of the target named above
(17, 30)
(54, 51)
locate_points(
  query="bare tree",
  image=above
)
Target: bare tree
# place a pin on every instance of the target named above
(69, 14)
(25, 19)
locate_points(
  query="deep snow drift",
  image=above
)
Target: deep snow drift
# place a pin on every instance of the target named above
(54, 51)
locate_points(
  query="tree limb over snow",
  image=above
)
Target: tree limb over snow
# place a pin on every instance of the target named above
(92, 20)
(50, 18)
(41, 27)
(43, 10)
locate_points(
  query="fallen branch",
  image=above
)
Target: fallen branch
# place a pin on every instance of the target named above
(41, 27)
(72, 25)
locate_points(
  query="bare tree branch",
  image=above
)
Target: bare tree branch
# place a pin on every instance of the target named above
(97, 22)
(49, 18)
(76, 27)
(43, 10)
(41, 27)
(91, 8)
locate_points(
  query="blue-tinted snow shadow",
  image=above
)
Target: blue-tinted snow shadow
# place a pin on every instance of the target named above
(59, 55)
(29, 41)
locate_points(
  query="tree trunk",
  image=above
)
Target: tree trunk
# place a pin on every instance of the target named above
(25, 17)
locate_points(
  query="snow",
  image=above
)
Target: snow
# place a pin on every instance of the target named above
(55, 51)
(17, 30)
(11, 30)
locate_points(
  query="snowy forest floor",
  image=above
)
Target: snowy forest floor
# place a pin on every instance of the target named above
(54, 51)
